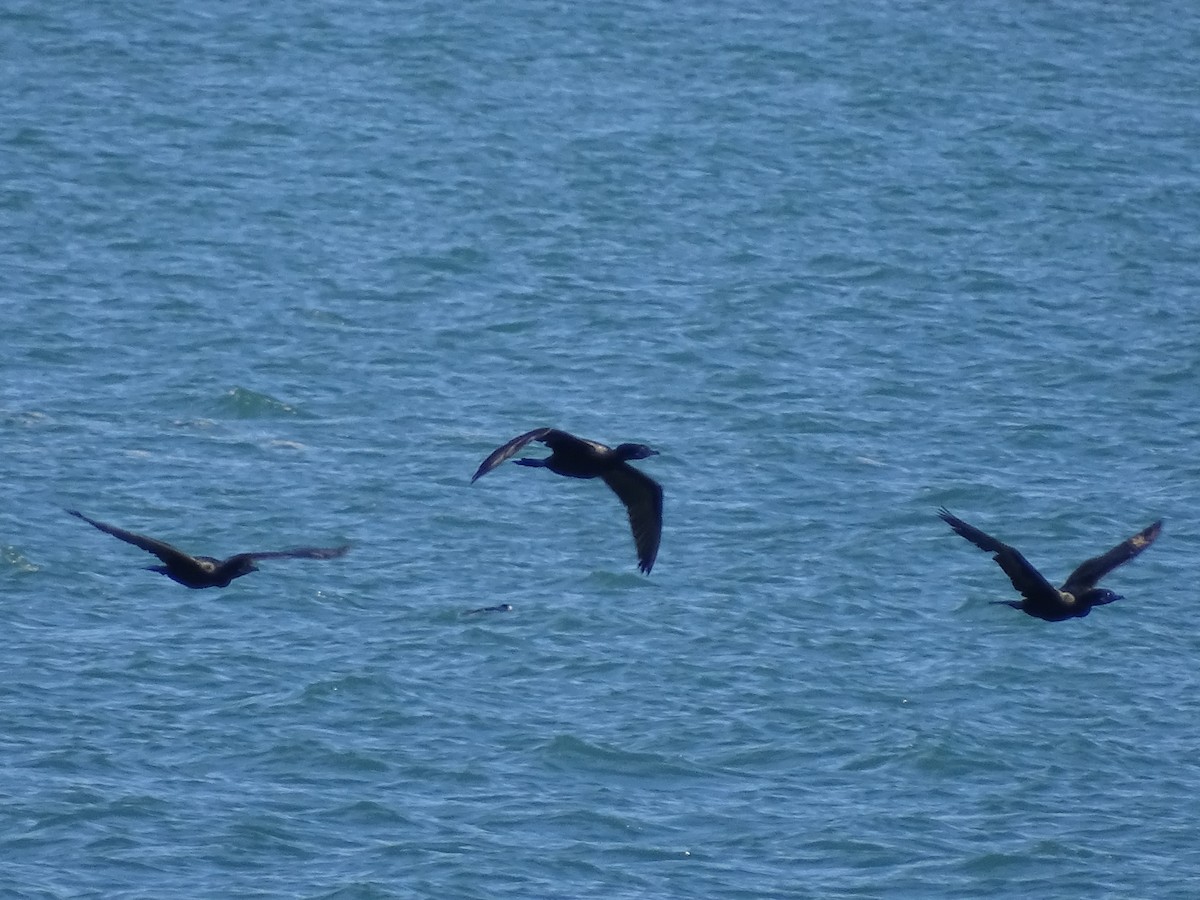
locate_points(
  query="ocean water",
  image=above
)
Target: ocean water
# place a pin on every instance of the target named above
(285, 274)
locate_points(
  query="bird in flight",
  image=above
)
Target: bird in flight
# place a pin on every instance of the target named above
(579, 458)
(1041, 599)
(204, 571)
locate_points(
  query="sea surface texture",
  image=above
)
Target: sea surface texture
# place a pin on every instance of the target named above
(284, 274)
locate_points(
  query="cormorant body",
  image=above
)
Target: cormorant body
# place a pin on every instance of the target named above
(205, 571)
(578, 458)
(1041, 599)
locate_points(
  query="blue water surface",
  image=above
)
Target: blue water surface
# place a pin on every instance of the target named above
(284, 274)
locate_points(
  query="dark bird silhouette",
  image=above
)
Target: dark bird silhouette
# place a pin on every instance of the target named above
(577, 458)
(204, 571)
(501, 607)
(1078, 594)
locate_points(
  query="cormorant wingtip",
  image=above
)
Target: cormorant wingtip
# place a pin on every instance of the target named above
(948, 517)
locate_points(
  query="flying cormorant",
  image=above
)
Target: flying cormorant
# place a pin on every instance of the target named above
(204, 571)
(578, 458)
(1078, 594)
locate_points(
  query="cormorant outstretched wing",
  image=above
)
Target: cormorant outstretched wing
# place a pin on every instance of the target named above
(1032, 585)
(1091, 571)
(568, 444)
(511, 449)
(297, 553)
(643, 499)
(172, 556)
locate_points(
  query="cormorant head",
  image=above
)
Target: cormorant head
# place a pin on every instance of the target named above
(245, 567)
(633, 451)
(1100, 596)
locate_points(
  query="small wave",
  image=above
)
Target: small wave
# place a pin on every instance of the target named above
(247, 404)
(14, 560)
